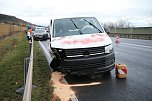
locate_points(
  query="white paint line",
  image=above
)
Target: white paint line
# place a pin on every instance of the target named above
(137, 45)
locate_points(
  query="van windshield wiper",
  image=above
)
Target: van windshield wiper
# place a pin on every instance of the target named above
(76, 26)
(93, 25)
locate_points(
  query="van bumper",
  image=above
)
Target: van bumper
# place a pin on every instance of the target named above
(89, 65)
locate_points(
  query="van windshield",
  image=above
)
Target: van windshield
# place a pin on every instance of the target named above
(76, 26)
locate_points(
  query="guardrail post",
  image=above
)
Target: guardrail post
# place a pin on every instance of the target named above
(26, 64)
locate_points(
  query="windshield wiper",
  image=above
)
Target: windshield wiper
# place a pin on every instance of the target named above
(76, 26)
(93, 25)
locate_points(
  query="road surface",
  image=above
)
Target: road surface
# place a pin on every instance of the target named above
(137, 55)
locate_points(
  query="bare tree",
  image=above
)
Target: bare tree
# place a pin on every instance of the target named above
(128, 25)
(110, 24)
(149, 20)
(123, 24)
(118, 24)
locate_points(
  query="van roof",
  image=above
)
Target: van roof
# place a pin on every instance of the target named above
(71, 17)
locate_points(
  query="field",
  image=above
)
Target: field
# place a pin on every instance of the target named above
(13, 51)
(7, 29)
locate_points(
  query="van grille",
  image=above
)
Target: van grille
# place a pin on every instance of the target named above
(80, 51)
(91, 63)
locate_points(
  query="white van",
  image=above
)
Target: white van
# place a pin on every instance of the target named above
(80, 46)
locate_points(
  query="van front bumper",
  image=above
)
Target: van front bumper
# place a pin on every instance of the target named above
(89, 65)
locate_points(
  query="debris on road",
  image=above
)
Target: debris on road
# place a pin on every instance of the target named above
(62, 90)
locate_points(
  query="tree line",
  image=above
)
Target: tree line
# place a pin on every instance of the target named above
(125, 23)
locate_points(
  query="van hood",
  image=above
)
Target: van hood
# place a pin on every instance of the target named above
(81, 41)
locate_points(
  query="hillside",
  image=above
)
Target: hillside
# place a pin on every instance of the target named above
(7, 19)
(10, 25)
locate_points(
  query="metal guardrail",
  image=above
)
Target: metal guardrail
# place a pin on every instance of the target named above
(28, 85)
(132, 36)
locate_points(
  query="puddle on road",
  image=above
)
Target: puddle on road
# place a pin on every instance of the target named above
(62, 89)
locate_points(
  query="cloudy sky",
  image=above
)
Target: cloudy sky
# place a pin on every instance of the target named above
(136, 12)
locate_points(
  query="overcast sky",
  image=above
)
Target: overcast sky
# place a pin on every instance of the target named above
(137, 12)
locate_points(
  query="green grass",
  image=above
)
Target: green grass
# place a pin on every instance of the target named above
(15, 48)
(9, 44)
(41, 77)
(11, 67)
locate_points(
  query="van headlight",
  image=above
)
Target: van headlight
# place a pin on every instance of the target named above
(109, 48)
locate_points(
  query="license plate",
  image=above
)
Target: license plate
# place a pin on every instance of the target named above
(40, 36)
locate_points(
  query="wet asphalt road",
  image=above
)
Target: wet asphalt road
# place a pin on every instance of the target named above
(137, 55)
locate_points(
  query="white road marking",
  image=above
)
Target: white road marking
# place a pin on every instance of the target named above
(137, 45)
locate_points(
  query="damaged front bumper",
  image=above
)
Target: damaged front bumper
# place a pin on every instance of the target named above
(88, 65)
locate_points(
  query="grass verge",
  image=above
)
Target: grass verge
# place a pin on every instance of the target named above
(41, 77)
(14, 49)
(10, 43)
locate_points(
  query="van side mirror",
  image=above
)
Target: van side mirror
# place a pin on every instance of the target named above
(107, 30)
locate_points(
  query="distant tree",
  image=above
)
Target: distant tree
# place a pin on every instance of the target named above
(123, 24)
(118, 24)
(128, 25)
(149, 20)
(110, 24)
